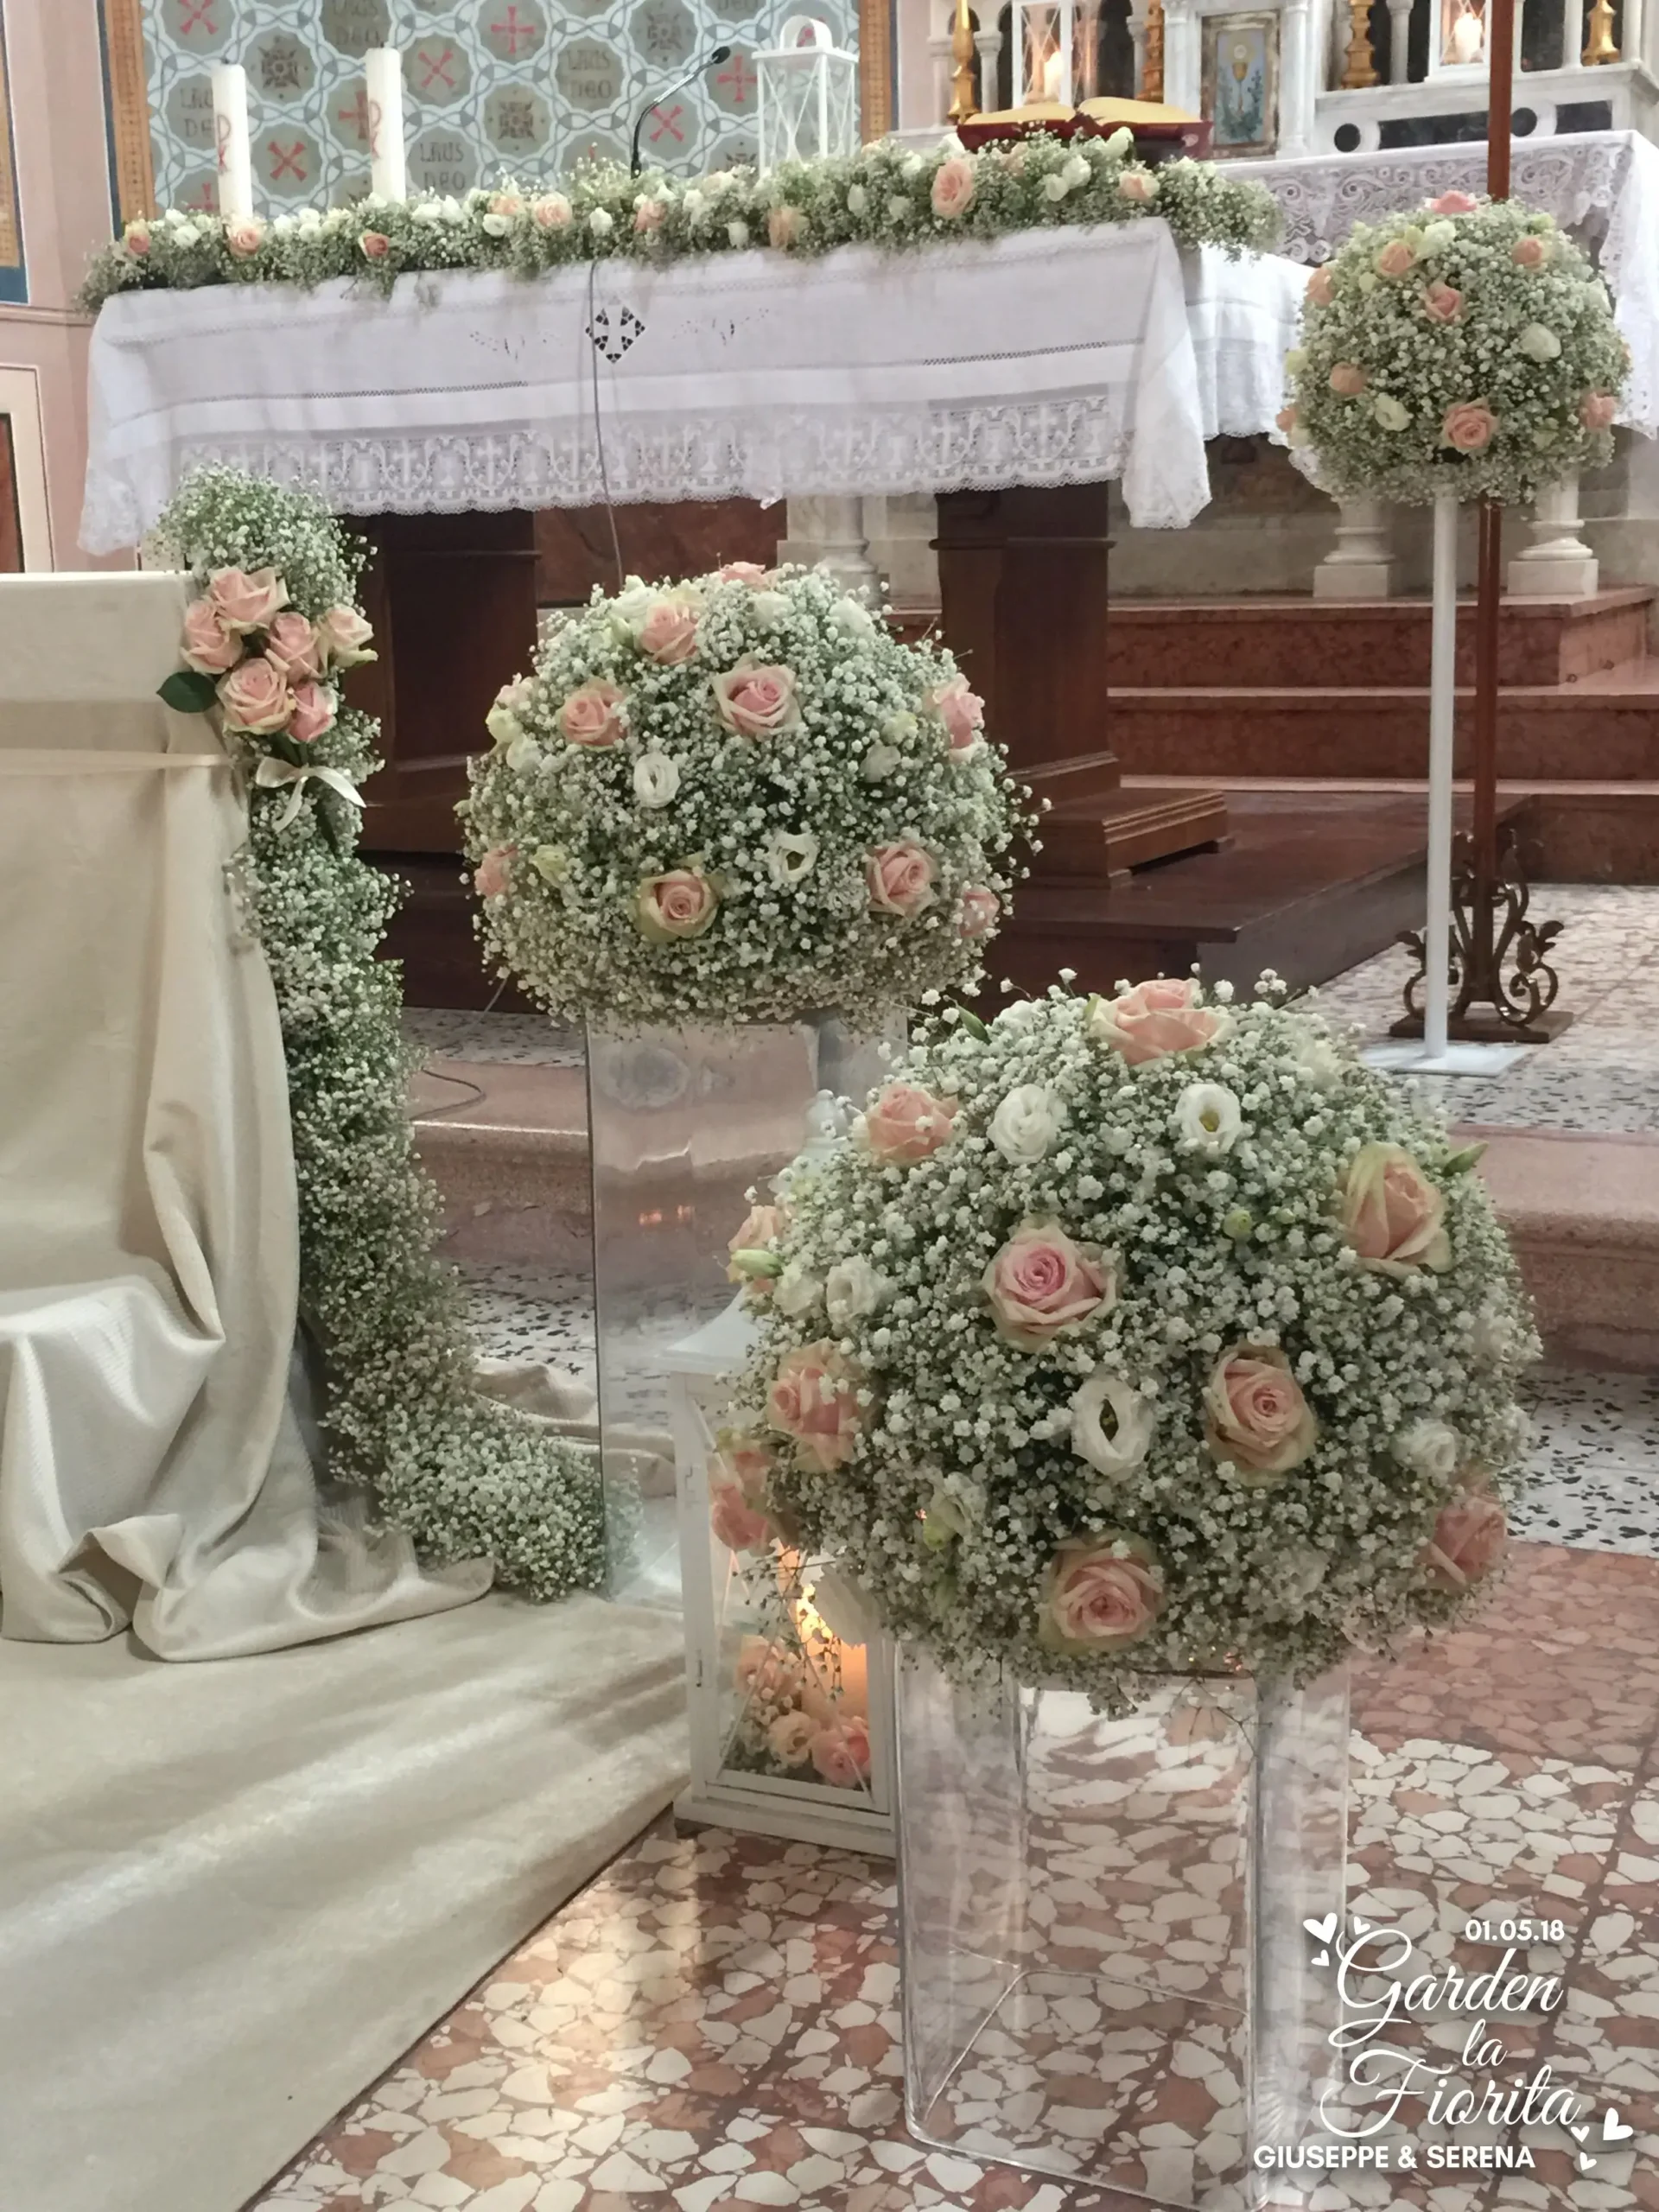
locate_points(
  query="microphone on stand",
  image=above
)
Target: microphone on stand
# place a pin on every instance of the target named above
(709, 61)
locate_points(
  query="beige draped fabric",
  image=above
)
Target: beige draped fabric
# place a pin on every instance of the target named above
(156, 1454)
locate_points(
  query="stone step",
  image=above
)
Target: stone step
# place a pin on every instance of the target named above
(1348, 644)
(1606, 729)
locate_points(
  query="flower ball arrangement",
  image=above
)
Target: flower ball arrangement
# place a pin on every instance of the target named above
(740, 800)
(1468, 348)
(1141, 1334)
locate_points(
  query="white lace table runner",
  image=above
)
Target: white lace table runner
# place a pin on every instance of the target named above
(1603, 186)
(1050, 357)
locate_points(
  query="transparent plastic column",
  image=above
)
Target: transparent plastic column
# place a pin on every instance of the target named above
(682, 1122)
(1106, 1974)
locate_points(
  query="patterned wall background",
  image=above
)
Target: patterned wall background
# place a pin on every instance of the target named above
(522, 85)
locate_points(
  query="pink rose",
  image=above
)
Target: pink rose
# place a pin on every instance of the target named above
(962, 711)
(314, 713)
(246, 602)
(648, 217)
(1255, 1416)
(757, 700)
(1468, 1541)
(785, 225)
(1156, 1018)
(1453, 203)
(375, 245)
(743, 1460)
(762, 1226)
(1100, 1593)
(669, 633)
(1321, 287)
(494, 871)
(551, 212)
(1392, 1215)
(900, 878)
(768, 1672)
(1442, 302)
(735, 1522)
(244, 236)
(1529, 253)
(344, 635)
(1395, 260)
(209, 647)
(741, 572)
(1597, 410)
(1469, 426)
(904, 1123)
(980, 909)
(1137, 186)
(136, 239)
(814, 1401)
(681, 903)
(1348, 378)
(592, 715)
(1286, 418)
(953, 188)
(294, 646)
(841, 1753)
(505, 203)
(256, 697)
(1040, 1282)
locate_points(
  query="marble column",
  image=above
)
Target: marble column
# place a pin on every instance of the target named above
(1361, 565)
(1556, 563)
(1399, 41)
(831, 532)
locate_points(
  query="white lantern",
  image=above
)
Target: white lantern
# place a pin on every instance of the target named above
(791, 1691)
(1054, 54)
(807, 97)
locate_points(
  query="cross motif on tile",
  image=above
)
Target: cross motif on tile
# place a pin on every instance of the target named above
(667, 119)
(287, 164)
(612, 339)
(512, 30)
(437, 72)
(362, 114)
(740, 79)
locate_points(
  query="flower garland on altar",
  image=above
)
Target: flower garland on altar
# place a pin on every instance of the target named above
(1468, 347)
(883, 195)
(741, 798)
(1139, 1334)
(275, 626)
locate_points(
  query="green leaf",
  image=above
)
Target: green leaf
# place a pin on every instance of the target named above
(757, 1265)
(1460, 1163)
(187, 691)
(972, 1024)
(286, 748)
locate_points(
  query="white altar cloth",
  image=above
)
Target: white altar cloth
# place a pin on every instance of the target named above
(1602, 186)
(1048, 357)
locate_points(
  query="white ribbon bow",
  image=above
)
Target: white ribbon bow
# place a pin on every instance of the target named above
(271, 774)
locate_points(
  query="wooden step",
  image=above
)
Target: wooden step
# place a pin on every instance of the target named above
(1348, 644)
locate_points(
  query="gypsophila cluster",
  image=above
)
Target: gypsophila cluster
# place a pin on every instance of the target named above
(741, 798)
(883, 195)
(463, 1474)
(1468, 347)
(1141, 1334)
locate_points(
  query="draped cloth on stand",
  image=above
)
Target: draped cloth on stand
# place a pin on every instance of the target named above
(156, 1453)
(1056, 356)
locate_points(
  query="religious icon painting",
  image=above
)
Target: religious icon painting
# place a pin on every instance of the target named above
(1240, 83)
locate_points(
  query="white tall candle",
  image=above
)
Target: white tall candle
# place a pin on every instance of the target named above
(231, 131)
(384, 68)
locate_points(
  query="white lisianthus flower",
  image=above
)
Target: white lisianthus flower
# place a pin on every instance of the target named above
(852, 618)
(900, 728)
(769, 608)
(1020, 1017)
(1121, 144)
(791, 854)
(858, 201)
(496, 225)
(796, 1291)
(852, 1289)
(739, 234)
(504, 725)
(1055, 187)
(1112, 1424)
(523, 754)
(1430, 1448)
(1437, 237)
(911, 168)
(1208, 1117)
(1025, 1124)
(879, 763)
(1539, 342)
(695, 206)
(600, 223)
(656, 779)
(1494, 1336)
(1075, 171)
(1390, 413)
(952, 1512)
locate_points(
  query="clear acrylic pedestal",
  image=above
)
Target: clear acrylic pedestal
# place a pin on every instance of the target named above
(1106, 1973)
(681, 1122)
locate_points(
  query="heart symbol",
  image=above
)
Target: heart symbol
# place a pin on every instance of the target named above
(1323, 1930)
(1613, 2130)
(1585, 2162)
(1362, 1927)
(1577, 2134)
(1321, 1958)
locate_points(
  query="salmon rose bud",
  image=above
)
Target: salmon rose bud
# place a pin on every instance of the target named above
(209, 647)
(244, 603)
(669, 633)
(979, 911)
(679, 904)
(904, 1123)
(1041, 1283)
(1597, 410)
(1156, 1018)
(592, 716)
(1100, 1594)
(1392, 1215)
(1256, 1416)
(1453, 203)
(757, 700)
(1469, 426)
(494, 871)
(294, 646)
(901, 879)
(344, 634)
(256, 697)
(841, 1751)
(314, 713)
(1321, 287)
(1470, 1535)
(814, 1401)
(952, 193)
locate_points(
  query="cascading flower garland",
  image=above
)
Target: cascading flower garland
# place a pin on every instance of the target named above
(1142, 1334)
(1467, 348)
(883, 195)
(741, 798)
(276, 624)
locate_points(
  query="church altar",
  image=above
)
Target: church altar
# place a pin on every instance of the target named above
(1602, 186)
(1047, 358)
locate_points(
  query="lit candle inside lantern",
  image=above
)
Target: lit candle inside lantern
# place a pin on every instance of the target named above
(384, 69)
(230, 86)
(1052, 87)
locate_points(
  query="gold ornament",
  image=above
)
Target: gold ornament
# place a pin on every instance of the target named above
(1599, 46)
(1361, 73)
(1152, 66)
(962, 59)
